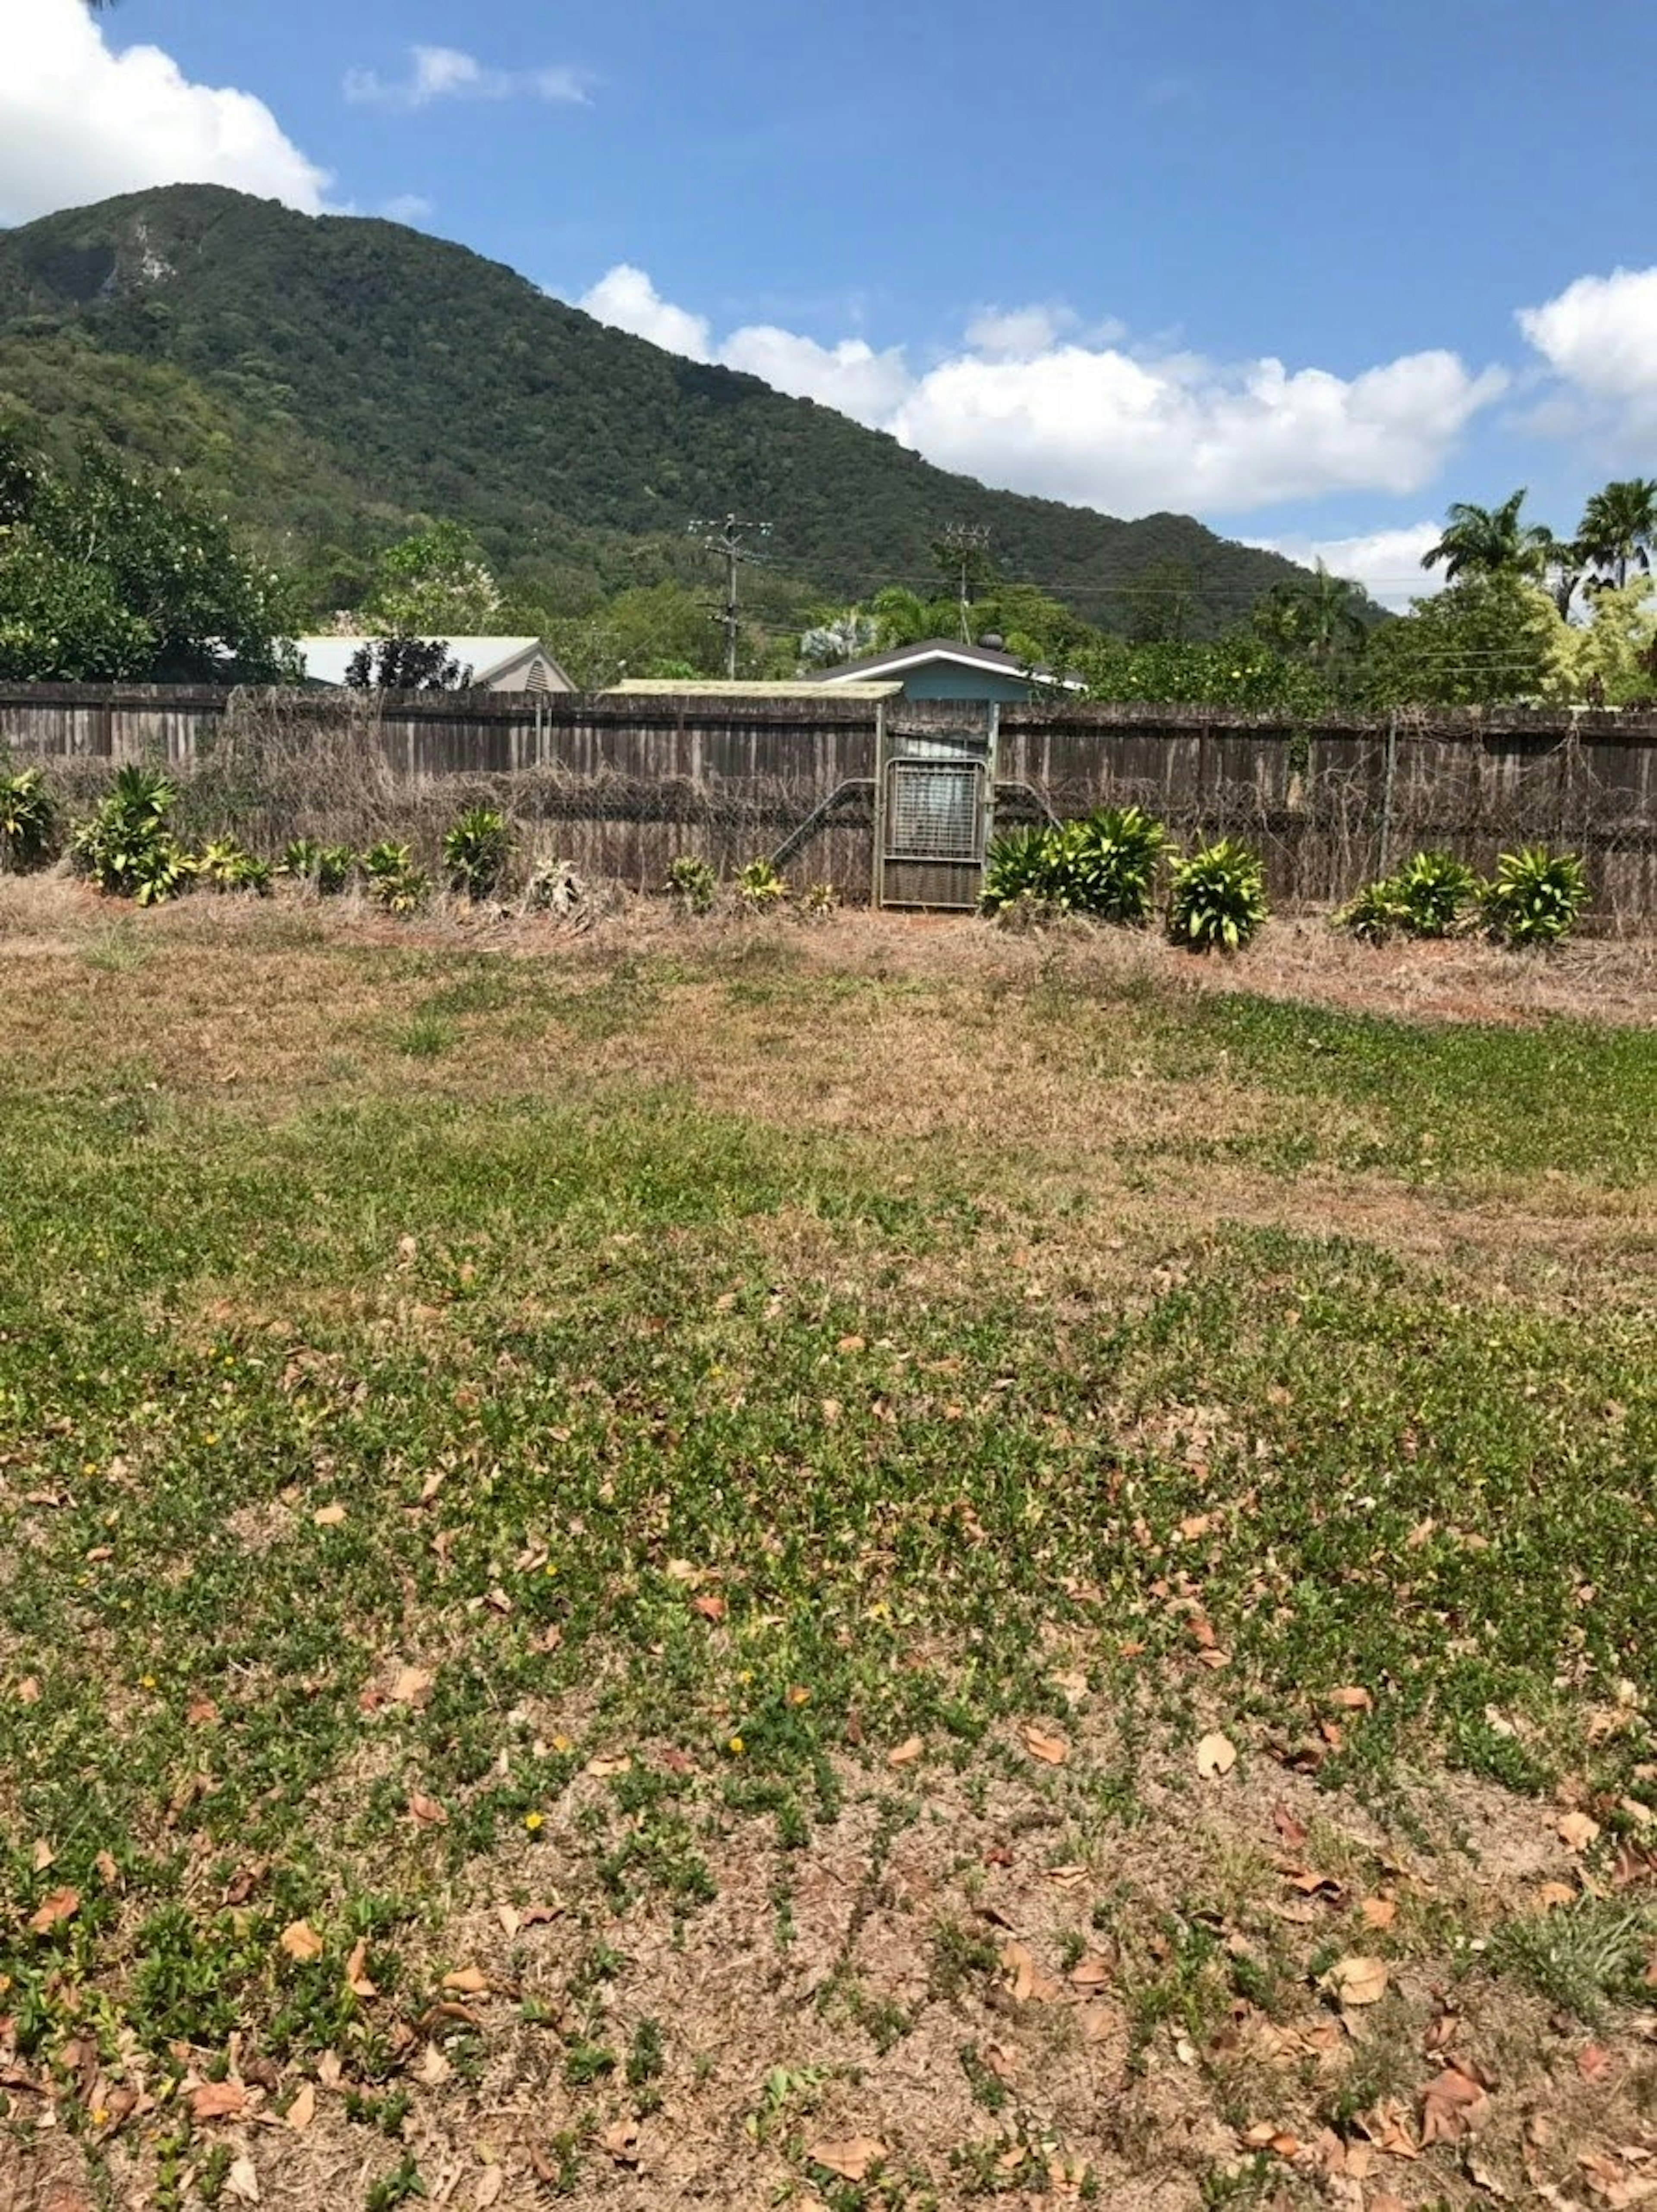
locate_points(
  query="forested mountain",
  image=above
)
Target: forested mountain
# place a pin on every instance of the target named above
(328, 380)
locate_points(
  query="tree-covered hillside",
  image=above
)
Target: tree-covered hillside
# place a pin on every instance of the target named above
(329, 379)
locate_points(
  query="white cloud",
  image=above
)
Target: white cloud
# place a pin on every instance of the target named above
(626, 299)
(407, 207)
(850, 376)
(1090, 422)
(445, 73)
(79, 122)
(1387, 563)
(1600, 336)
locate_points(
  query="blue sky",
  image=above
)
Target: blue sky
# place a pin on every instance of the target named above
(1308, 269)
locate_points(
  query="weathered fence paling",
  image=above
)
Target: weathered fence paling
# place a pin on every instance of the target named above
(625, 784)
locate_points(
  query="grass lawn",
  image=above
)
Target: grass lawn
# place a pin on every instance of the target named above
(877, 1566)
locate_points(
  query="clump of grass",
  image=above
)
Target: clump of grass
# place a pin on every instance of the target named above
(1583, 1957)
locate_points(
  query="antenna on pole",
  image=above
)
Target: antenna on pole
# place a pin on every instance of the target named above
(726, 540)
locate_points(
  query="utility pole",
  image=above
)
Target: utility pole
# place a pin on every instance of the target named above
(962, 550)
(725, 541)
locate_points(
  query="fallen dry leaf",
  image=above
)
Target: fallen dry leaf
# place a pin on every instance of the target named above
(905, 1753)
(851, 2157)
(1091, 1972)
(1354, 1698)
(468, 1982)
(243, 2181)
(218, 2100)
(28, 1690)
(42, 1856)
(413, 1685)
(61, 1904)
(301, 1941)
(1451, 2107)
(107, 1869)
(1577, 1831)
(426, 1812)
(621, 2140)
(329, 1517)
(709, 1607)
(1553, 1894)
(1379, 1912)
(1215, 1756)
(1356, 1980)
(1593, 2062)
(607, 1765)
(433, 2069)
(1051, 1748)
(200, 1712)
(490, 2183)
(303, 2110)
(357, 1971)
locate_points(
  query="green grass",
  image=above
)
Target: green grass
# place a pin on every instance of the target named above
(573, 1358)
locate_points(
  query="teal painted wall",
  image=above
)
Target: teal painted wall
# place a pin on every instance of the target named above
(945, 682)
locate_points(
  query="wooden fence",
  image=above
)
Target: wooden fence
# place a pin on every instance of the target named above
(621, 785)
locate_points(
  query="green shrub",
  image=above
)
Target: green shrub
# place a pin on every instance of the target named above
(1217, 897)
(759, 885)
(1104, 865)
(693, 883)
(1432, 895)
(1535, 896)
(1017, 870)
(127, 846)
(28, 820)
(226, 865)
(476, 850)
(327, 867)
(394, 881)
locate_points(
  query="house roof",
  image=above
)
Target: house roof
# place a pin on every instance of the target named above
(327, 659)
(700, 687)
(900, 659)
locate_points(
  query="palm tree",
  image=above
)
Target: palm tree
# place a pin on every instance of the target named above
(1619, 527)
(1488, 541)
(1560, 563)
(1318, 614)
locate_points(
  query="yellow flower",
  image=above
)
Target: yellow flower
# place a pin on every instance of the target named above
(91, 1467)
(535, 1822)
(560, 1743)
(746, 1675)
(211, 1438)
(147, 1682)
(736, 1747)
(550, 1568)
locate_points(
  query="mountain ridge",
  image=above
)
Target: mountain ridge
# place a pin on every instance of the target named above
(330, 378)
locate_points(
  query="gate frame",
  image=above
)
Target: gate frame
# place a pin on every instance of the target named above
(978, 746)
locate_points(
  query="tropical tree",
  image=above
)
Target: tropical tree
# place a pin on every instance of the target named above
(1485, 641)
(106, 573)
(1560, 563)
(1318, 616)
(434, 583)
(1609, 660)
(1619, 528)
(1488, 541)
(846, 636)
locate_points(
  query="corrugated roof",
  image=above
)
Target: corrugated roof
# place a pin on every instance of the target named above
(701, 687)
(327, 659)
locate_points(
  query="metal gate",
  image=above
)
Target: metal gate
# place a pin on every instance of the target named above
(934, 799)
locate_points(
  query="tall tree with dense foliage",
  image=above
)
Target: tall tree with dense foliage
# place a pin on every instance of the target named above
(1486, 541)
(109, 573)
(1609, 660)
(1619, 528)
(1485, 641)
(1318, 619)
(436, 583)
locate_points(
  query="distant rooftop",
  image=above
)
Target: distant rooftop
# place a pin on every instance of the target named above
(703, 687)
(327, 659)
(899, 659)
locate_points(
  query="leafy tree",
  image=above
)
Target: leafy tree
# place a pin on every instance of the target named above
(656, 631)
(108, 574)
(1242, 671)
(1160, 604)
(1488, 541)
(844, 637)
(405, 664)
(1486, 640)
(1319, 619)
(1610, 660)
(435, 583)
(1619, 528)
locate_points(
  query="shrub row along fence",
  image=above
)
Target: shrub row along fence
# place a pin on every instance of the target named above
(622, 786)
